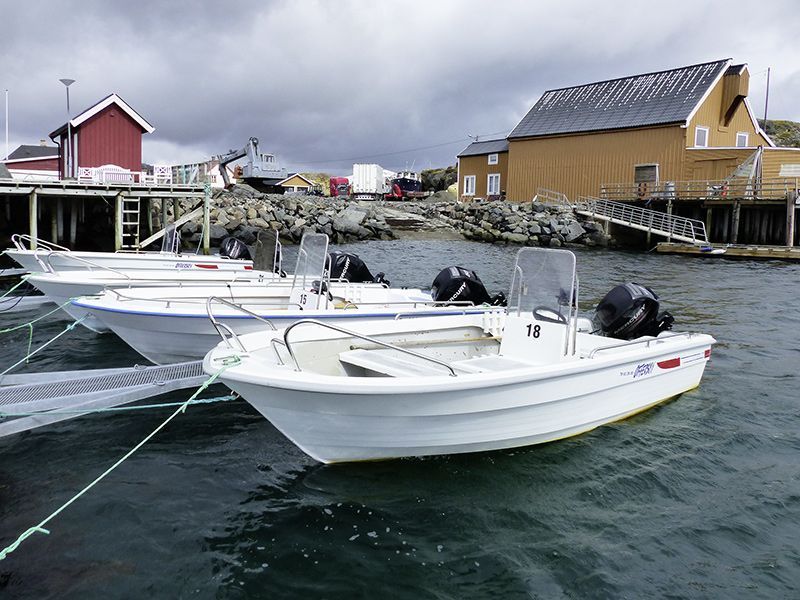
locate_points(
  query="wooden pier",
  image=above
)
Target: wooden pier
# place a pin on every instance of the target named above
(64, 204)
(740, 251)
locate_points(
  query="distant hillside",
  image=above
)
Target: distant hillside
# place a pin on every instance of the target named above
(783, 133)
(436, 180)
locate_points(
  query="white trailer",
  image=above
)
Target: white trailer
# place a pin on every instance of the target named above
(368, 182)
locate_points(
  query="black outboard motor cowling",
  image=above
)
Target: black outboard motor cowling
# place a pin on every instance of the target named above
(345, 265)
(234, 248)
(630, 311)
(457, 284)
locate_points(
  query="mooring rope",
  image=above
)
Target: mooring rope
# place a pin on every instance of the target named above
(88, 411)
(30, 324)
(68, 328)
(182, 408)
(22, 280)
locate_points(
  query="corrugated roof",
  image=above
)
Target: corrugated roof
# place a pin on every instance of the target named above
(487, 147)
(31, 151)
(638, 101)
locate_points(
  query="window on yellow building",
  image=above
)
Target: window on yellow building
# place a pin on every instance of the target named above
(701, 137)
(742, 139)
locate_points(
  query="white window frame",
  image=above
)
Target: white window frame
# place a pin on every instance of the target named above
(746, 139)
(493, 159)
(697, 130)
(489, 190)
(469, 185)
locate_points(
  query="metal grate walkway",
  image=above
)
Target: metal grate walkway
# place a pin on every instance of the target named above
(86, 391)
(670, 226)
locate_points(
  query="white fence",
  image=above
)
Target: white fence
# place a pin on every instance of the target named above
(112, 174)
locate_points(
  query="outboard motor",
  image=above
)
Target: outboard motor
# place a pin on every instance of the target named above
(234, 248)
(457, 284)
(350, 267)
(630, 311)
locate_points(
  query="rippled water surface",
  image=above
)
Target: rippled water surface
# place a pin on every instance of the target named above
(699, 498)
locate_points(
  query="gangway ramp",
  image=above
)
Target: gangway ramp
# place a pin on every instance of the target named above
(60, 395)
(669, 226)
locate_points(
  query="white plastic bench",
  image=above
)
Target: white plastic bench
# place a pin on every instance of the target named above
(391, 365)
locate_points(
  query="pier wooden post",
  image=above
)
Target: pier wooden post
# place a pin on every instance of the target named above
(53, 222)
(33, 218)
(59, 220)
(207, 219)
(118, 221)
(791, 204)
(163, 213)
(708, 222)
(737, 209)
(669, 218)
(73, 222)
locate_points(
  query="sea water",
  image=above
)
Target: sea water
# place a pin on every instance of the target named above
(698, 498)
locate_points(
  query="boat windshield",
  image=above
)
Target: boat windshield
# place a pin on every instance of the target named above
(312, 260)
(544, 283)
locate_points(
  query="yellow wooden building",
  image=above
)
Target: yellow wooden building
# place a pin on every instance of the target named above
(637, 133)
(483, 169)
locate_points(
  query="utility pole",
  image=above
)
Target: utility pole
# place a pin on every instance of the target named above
(6, 124)
(766, 100)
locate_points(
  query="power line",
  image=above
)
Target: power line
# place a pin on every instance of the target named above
(443, 144)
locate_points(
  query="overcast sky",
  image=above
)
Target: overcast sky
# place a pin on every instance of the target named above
(325, 84)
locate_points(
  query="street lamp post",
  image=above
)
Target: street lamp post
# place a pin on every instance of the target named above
(68, 150)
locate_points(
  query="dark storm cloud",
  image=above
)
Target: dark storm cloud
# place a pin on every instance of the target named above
(325, 83)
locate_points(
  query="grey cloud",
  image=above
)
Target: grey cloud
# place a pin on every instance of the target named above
(322, 82)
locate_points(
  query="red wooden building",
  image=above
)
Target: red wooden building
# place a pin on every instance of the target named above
(108, 133)
(34, 161)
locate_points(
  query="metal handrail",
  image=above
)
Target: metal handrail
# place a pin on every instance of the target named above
(91, 264)
(647, 342)
(656, 221)
(361, 337)
(18, 238)
(235, 306)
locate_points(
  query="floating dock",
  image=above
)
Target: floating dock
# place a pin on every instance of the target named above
(741, 251)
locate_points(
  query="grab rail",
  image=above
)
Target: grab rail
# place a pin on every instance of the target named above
(234, 306)
(647, 342)
(360, 336)
(18, 238)
(82, 260)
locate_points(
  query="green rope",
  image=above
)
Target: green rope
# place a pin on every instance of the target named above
(40, 527)
(69, 327)
(15, 286)
(119, 408)
(37, 319)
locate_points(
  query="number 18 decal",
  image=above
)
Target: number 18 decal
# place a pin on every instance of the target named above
(534, 331)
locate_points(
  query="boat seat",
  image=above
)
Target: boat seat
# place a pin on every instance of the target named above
(390, 365)
(490, 362)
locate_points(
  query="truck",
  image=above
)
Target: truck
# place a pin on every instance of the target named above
(339, 187)
(369, 182)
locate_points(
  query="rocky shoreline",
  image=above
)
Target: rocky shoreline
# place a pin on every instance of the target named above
(242, 211)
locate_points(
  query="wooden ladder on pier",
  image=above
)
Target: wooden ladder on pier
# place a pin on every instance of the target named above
(130, 223)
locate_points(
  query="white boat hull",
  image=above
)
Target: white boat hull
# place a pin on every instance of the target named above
(62, 287)
(335, 427)
(171, 338)
(69, 260)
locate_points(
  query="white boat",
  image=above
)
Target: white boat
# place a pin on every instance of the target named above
(171, 324)
(49, 257)
(62, 286)
(530, 374)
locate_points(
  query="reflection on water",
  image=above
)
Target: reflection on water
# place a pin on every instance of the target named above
(697, 498)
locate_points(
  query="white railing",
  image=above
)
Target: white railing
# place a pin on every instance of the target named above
(551, 197)
(162, 175)
(643, 219)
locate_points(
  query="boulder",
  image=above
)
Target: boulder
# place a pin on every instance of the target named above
(349, 220)
(573, 231)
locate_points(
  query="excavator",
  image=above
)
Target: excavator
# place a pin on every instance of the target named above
(261, 170)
